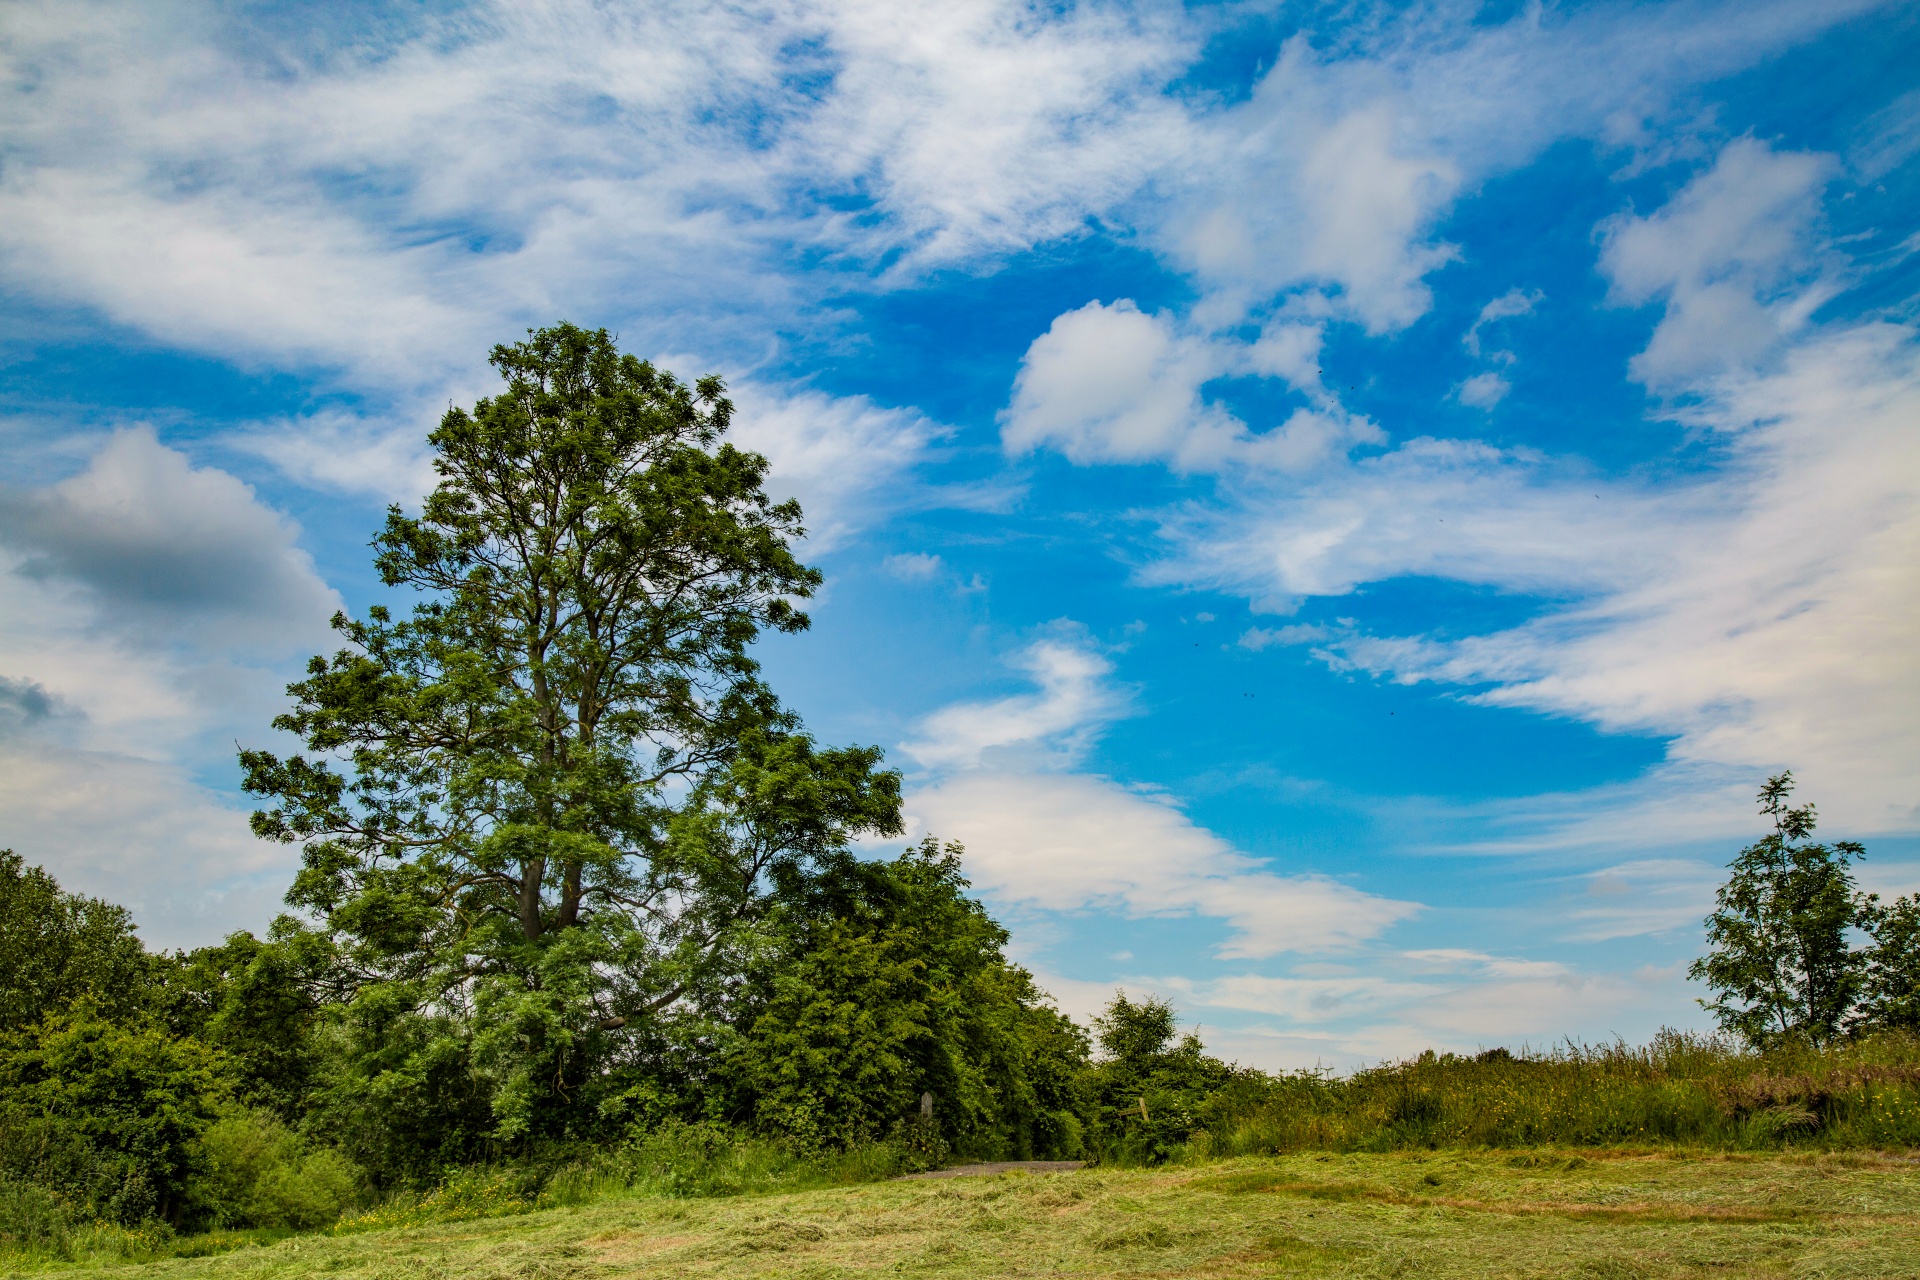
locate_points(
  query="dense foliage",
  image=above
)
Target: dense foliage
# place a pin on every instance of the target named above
(548, 806)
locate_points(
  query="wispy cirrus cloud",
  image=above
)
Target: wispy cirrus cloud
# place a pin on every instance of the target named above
(1044, 838)
(1757, 612)
(1073, 842)
(1074, 699)
(391, 202)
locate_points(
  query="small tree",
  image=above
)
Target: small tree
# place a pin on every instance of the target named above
(1781, 966)
(1150, 1088)
(542, 808)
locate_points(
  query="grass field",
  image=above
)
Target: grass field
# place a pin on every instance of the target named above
(1543, 1213)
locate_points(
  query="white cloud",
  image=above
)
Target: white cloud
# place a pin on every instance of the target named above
(1258, 638)
(1778, 632)
(142, 833)
(1760, 615)
(1757, 612)
(1057, 723)
(1446, 508)
(1110, 383)
(1335, 173)
(165, 549)
(986, 126)
(914, 566)
(1484, 390)
(145, 606)
(1646, 896)
(1889, 138)
(1072, 842)
(848, 460)
(388, 204)
(1729, 253)
(845, 458)
(1114, 384)
(1512, 303)
(350, 453)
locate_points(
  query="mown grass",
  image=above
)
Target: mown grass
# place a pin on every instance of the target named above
(1596, 1214)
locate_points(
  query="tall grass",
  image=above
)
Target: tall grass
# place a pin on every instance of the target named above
(1685, 1090)
(674, 1160)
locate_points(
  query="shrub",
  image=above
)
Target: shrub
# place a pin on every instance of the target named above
(106, 1114)
(256, 1172)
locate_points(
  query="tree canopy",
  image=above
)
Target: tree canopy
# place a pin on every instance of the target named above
(555, 792)
(1784, 963)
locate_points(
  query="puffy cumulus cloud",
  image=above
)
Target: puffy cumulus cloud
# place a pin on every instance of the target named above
(1114, 384)
(164, 548)
(1484, 390)
(1055, 724)
(1730, 254)
(1340, 202)
(1072, 842)
(1333, 175)
(916, 566)
(1111, 383)
(147, 607)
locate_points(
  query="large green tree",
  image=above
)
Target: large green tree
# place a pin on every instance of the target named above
(1781, 965)
(544, 805)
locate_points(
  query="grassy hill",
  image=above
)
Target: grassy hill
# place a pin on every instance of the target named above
(1547, 1213)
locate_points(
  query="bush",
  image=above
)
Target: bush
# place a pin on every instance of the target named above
(256, 1172)
(107, 1115)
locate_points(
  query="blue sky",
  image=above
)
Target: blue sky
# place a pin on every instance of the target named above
(1338, 508)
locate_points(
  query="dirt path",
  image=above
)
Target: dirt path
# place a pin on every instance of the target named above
(1003, 1166)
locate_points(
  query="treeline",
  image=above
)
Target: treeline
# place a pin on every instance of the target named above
(231, 1088)
(236, 1087)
